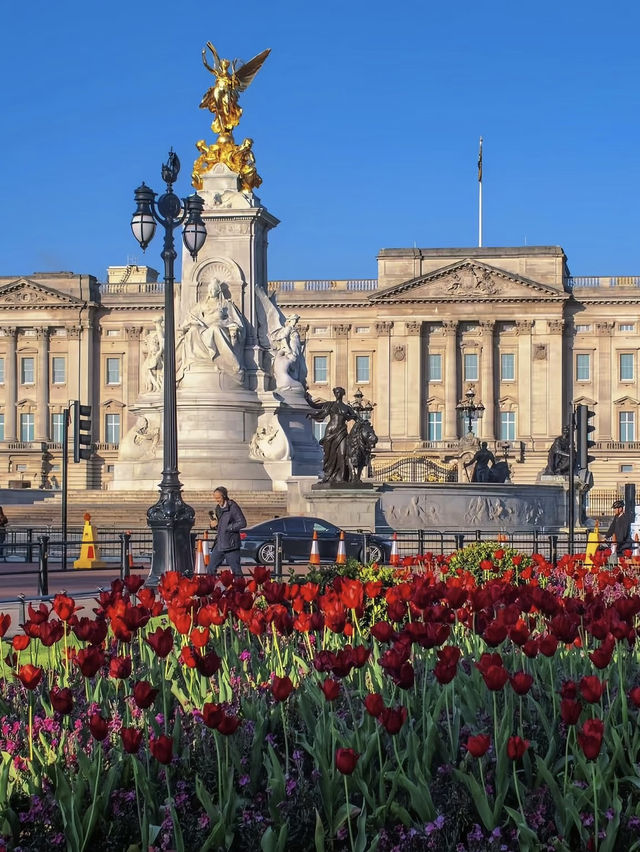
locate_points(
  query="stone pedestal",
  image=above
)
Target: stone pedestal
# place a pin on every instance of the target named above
(347, 508)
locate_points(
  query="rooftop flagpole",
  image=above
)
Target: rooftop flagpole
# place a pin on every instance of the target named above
(480, 195)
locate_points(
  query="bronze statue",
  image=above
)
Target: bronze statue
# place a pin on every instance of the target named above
(222, 100)
(344, 458)
(482, 459)
(558, 459)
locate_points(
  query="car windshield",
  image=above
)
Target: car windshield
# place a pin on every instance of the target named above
(324, 528)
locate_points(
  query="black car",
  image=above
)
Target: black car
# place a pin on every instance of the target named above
(259, 543)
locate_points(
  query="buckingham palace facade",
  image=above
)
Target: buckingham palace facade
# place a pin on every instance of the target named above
(509, 324)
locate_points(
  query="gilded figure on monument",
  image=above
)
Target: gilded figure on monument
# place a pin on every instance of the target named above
(221, 99)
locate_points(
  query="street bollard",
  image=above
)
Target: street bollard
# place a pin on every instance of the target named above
(43, 565)
(553, 549)
(459, 540)
(29, 553)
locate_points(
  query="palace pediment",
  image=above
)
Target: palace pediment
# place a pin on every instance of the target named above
(24, 293)
(626, 400)
(468, 280)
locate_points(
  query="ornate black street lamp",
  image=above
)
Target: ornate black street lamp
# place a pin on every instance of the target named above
(170, 518)
(470, 410)
(362, 406)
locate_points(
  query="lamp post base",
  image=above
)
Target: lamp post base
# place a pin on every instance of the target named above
(170, 520)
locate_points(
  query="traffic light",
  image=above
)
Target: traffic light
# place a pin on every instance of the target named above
(583, 442)
(81, 431)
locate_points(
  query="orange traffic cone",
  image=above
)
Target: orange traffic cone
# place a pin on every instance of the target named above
(199, 566)
(205, 548)
(341, 558)
(314, 556)
(394, 558)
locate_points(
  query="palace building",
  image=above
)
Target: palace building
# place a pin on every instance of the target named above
(510, 325)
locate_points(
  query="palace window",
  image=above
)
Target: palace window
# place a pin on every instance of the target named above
(626, 366)
(27, 371)
(507, 426)
(362, 369)
(627, 421)
(583, 368)
(471, 367)
(626, 468)
(581, 329)
(507, 367)
(113, 371)
(1, 427)
(320, 368)
(435, 368)
(57, 428)
(1, 371)
(27, 427)
(58, 371)
(112, 428)
(319, 428)
(434, 426)
(627, 326)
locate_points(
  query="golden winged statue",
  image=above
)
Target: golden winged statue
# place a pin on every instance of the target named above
(222, 100)
(231, 78)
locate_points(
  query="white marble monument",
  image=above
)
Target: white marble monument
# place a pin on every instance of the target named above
(240, 367)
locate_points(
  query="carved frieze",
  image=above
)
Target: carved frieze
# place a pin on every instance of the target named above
(487, 326)
(383, 328)
(226, 228)
(399, 352)
(524, 326)
(450, 328)
(413, 327)
(9, 331)
(540, 352)
(73, 332)
(556, 326)
(466, 280)
(133, 332)
(342, 330)
(43, 333)
(604, 329)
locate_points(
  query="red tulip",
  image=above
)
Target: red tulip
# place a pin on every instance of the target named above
(61, 699)
(162, 748)
(346, 759)
(131, 739)
(569, 689)
(229, 724)
(212, 714)
(89, 660)
(207, 664)
(64, 607)
(281, 687)
(591, 688)
(521, 682)
(374, 704)
(393, 718)
(516, 747)
(590, 738)
(5, 622)
(634, 696)
(199, 637)
(331, 689)
(351, 593)
(478, 745)
(120, 667)
(570, 710)
(495, 677)
(548, 645)
(51, 632)
(161, 641)
(30, 676)
(98, 726)
(144, 694)
(601, 657)
(133, 582)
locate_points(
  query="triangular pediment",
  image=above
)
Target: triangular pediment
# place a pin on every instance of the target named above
(113, 403)
(626, 400)
(584, 400)
(465, 281)
(24, 293)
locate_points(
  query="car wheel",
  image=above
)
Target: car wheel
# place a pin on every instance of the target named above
(266, 554)
(374, 554)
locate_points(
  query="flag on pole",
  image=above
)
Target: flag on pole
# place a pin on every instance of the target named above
(480, 162)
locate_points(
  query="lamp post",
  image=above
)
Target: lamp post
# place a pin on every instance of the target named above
(361, 406)
(170, 519)
(470, 410)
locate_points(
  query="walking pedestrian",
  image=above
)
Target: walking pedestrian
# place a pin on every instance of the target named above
(620, 527)
(227, 519)
(4, 520)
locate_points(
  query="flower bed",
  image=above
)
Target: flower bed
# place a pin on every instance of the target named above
(446, 706)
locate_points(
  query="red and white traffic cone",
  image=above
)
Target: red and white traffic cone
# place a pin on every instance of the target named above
(205, 548)
(314, 556)
(341, 558)
(614, 547)
(200, 567)
(394, 558)
(635, 553)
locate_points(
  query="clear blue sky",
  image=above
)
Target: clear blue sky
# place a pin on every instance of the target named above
(365, 120)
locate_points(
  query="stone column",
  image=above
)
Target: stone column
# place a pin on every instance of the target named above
(523, 330)
(556, 389)
(382, 412)
(342, 356)
(42, 387)
(488, 422)
(414, 380)
(11, 385)
(450, 331)
(131, 388)
(605, 377)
